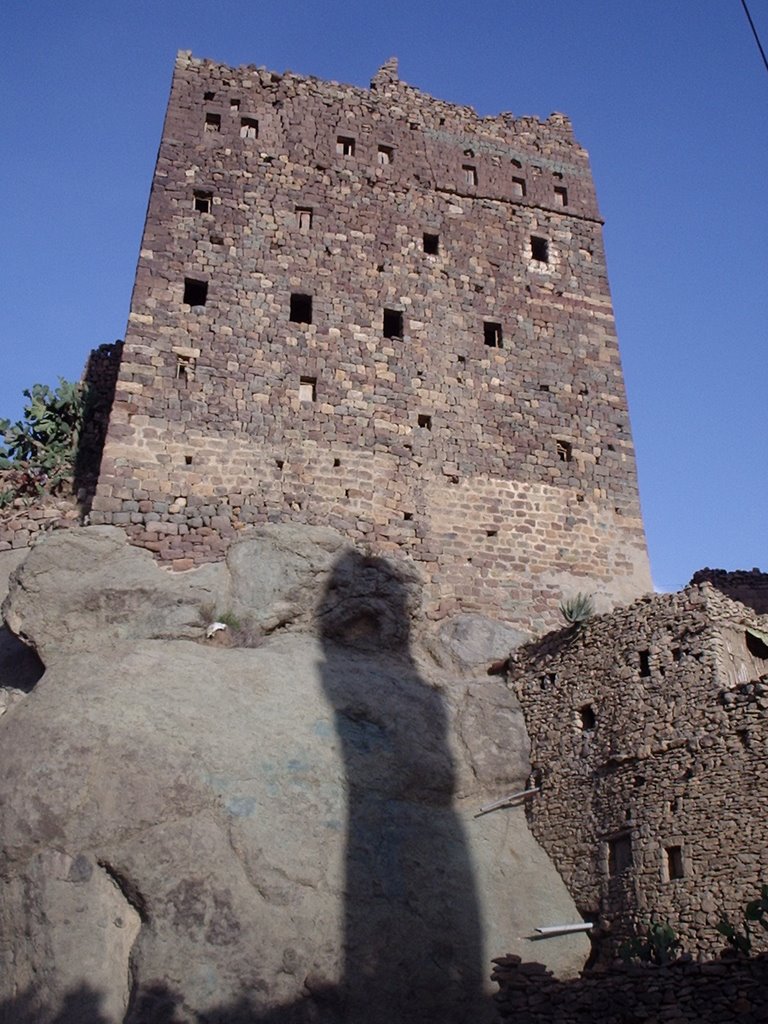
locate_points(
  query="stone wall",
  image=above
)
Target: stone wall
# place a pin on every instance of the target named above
(718, 992)
(649, 734)
(377, 310)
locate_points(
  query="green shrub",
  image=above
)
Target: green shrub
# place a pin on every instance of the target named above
(576, 610)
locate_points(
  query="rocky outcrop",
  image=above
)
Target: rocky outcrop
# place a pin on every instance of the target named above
(283, 831)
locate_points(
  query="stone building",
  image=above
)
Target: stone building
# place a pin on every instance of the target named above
(649, 737)
(376, 310)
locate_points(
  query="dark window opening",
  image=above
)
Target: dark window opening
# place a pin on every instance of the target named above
(561, 195)
(619, 854)
(492, 334)
(385, 155)
(645, 662)
(755, 645)
(425, 421)
(308, 389)
(588, 718)
(470, 174)
(516, 163)
(187, 460)
(336, 463)
(675, 862)
(203, 201)
(564, 450)
(393, 323)
(519, 188)
(548, 680)
(304, 219)
(345, 146)
(212, 122)
(195, 292)
(539, 249)
(249, 128)
(676, 654)
(217, 240)
(431, 244)
(407, 516)
(208, 96)
(279, 463)
(639, 780)
(234, 104)
(462, 360)
(301, 308)
(544, 387)
(491, 533)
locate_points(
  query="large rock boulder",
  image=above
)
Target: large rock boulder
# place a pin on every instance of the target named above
(284, 831)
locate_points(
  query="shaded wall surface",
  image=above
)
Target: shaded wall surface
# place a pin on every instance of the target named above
(376, 310)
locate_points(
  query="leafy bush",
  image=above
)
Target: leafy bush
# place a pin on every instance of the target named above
(38, 453)
(660, 945)
(576, 610)
(739, 937)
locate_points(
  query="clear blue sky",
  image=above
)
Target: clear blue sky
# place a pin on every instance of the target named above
(669, 96)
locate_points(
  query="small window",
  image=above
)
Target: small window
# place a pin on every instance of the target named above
(209, 96)
(345, 146)
(561, 195)
(203, 201)
(187, 460)
(470, 174)
(619, 854)
(185, 367)
(539, 249)
(393, 323)
(212, 122)
(234, 105)
(674, 859)
(677, 654)
(518, 187)
(249, 128)
(195, 292)
(564, 450)
(587, 718)
(645, 662)
(308, 389)
(385, 156)
(301, 308)
(492, 334)
(424, 421)
(304, 219)
(431, 244)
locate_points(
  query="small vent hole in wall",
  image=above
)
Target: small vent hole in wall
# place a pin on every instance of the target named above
(675, 867)
(195, 292)
(187, 460)
(407, 516)
(208, 96)
(539, 249)
(676, 653)
(645, 662)
(393, 323)
(301, 308)
(280, 463)
(587, 717)
(431, 244)
(336, 463)
(425, 421)
(544, 387)
(308, 389)
(492, 334)
(564, 450)
(491, 533)
(203, 201)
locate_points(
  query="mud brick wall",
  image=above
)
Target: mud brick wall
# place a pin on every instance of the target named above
(649, 737)
(374, 309)
(716, 992)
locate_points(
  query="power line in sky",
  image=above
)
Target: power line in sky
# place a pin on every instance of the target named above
(754, 33)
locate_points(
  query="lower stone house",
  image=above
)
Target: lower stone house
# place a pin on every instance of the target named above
(649, 734)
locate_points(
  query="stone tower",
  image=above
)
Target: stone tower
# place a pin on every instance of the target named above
(373, 309)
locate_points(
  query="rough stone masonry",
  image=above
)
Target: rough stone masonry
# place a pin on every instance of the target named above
(374, 310)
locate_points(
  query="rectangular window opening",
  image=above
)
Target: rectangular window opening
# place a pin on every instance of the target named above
(234, 104)
(539, 249)
(470, 174)
(393, 323)
(407, 516)
(249, 128)
(424, 421)
(304, 219)
(675, 867)
(203, 201)
(185, 367)
(619, 854)
(519, 188)
(431, 244)
(676, 654)
(492, 334)
(645, 662)
(187, 460)
(308, 389)
(385, 155)
(212, 122)
(208, 96)
(345, 146)
(561, 195)
(564, 450)
(301, 308)
(195, 292)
